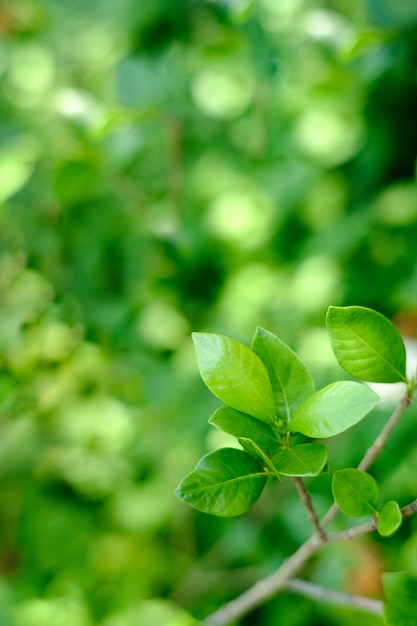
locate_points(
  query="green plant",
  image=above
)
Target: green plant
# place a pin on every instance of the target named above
(274, 411)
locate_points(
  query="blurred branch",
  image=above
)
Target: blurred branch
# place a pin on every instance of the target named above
(409, 509)
(280, 579)
(319, 593)
(265, 588)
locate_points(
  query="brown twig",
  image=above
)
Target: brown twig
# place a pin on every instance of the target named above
(306, 500)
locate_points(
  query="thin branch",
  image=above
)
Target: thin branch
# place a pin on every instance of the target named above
(374, 450)
(306, 500)
(369, 526)
(355, 531)
(409, 509)
(269, 586)
(321, 594)
(380, 442)
(265, 588)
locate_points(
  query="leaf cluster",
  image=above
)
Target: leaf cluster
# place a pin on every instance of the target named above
(270, 400)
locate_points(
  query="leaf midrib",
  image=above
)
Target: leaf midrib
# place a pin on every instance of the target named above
(403, 378)
(358, 494)
(284, 393)
(225, 482)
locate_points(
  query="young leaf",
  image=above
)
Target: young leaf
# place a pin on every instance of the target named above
(355, 493)
(389, 519)
(333, 409)
(225, 482)
(291, 380)
(400, 606)
(241, 425)
(254, 450)
(235, 374)
(304, 460)
(366, 344)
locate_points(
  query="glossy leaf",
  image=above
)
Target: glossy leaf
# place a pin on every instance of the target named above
(235, 374)
(225, 482)
(355, 493)
(303, 460)
(242, 425)
(400, 605)
(254, 450)
(291, 380)
(389, 519)
(366, 344)
(333, 409)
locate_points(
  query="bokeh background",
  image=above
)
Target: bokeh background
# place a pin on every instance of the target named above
(169, 166)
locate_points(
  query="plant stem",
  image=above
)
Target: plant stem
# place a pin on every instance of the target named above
(369, 526)
(352, 533)
(265, 588)
(409, 509)
(280, 579)
(374, 450)
(316, 592)
(306, 500)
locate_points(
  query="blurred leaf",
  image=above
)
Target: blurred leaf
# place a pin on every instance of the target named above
(291, 380)
(333, 409)
(303, 460)
(155, 611)
(226, 483)
(17, 161)
(366, 344)
(235, 375)
(400, 605)
(355, 493)
(389, 519)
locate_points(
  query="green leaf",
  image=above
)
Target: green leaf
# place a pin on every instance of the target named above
(366, 344)
(156, 611)
(355, 493)
(400, 606)
(254, 450)
(291, 380)
(333, 409)
(235, 374)
(389, 519)
(241, 425)
(304, 460)
(225, 482)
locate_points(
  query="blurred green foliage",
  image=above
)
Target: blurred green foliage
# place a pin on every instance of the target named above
(168, 167)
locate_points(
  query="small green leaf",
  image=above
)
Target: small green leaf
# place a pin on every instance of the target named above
(225, 482)
(291, 380)
(241, 425)
(254, 450)
(235, 374)
(389, 519)
(366, 344)
(400, 606)
(355, 493)
(333, 409)
(304, 460)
